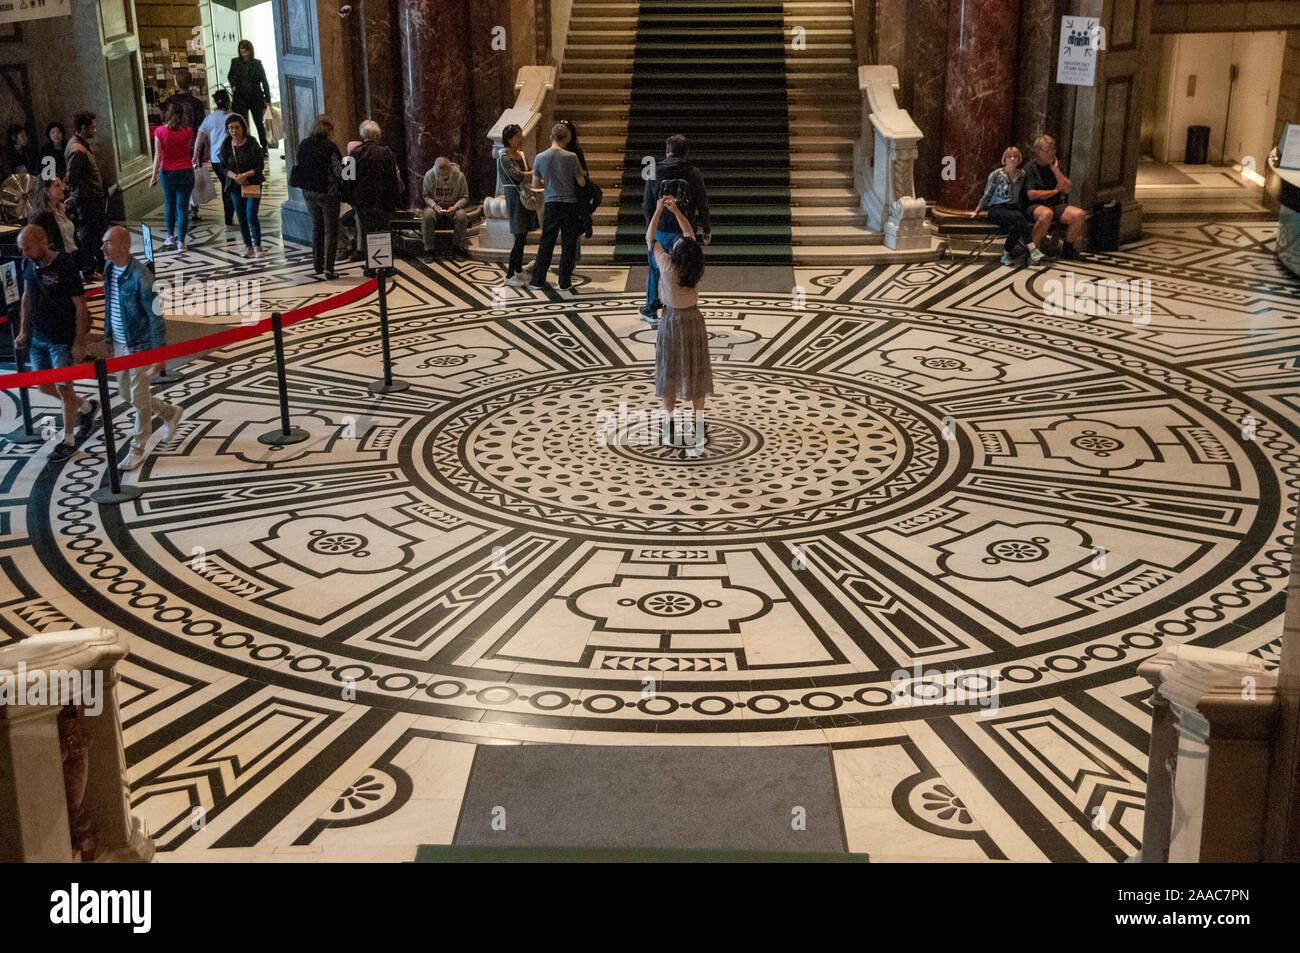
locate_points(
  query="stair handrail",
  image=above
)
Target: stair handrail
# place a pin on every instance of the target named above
(883, 159)
(534, 86)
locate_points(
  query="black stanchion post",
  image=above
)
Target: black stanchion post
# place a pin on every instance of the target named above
(115, 492)
(287, 434)
(25, 433)
(387, 385)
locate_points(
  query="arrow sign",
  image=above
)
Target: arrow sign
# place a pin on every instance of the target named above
(379, 250)
(9, 278)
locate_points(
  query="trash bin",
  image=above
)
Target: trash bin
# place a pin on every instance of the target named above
(1198, 145)
(1103, 230)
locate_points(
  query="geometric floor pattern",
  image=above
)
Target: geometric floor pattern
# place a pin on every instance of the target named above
(910, 468)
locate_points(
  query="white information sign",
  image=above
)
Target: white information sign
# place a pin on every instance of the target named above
(146, 242)
(12, 11)
(1076, 62)
(9, 278)
(379, 250)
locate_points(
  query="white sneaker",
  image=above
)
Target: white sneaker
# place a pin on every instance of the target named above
(169, 242)
(171, 420)
(516, 281)
(132, 462)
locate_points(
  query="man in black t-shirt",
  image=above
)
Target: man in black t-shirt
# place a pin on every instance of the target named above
(53, 325)
(1046, 188)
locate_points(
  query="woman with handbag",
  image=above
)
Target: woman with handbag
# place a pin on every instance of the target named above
(242, 159)
(521, 201)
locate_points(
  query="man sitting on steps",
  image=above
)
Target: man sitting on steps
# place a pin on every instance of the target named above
(679, 178)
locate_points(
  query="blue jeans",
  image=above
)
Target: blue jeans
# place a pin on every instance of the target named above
(667, 240)
(249, 226)
(45, 356)
(177, 187)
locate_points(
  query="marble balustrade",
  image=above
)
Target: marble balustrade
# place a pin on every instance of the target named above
(63, 769)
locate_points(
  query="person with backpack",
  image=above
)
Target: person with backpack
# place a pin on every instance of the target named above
(680, 179)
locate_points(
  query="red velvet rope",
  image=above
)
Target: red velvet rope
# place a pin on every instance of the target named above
(170, 352)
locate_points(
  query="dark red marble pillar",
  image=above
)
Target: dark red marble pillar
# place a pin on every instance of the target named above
(435, 83)
(979, 95)
(925, 55)
(1038, 98)
(493, 86)
(380, 70)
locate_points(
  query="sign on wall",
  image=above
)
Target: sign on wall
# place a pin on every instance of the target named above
(1081, 39)
(11, 11)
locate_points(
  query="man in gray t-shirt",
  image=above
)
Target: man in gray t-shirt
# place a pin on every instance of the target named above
(560, 173)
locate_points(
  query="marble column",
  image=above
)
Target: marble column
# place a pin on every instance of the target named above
(381, 69)
(979, 95)
(1038, 98)
(436, 84)
(492, 84)
(922, 82)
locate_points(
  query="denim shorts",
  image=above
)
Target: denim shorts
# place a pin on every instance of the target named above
(44, 356)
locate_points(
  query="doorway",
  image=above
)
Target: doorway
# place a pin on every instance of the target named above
(1209, 112)
(226, 23)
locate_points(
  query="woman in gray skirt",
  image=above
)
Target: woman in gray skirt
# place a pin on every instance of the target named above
(511, 170)
(682, 368)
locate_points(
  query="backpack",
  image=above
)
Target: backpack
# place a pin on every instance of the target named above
(680, 189)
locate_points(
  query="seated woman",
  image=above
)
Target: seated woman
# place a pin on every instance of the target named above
(1002, 199)
(682, 366)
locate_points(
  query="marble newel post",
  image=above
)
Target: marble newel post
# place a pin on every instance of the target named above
(979, 95)
(61, 782)
(436, 84)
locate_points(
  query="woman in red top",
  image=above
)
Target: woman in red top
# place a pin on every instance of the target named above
(173, 155)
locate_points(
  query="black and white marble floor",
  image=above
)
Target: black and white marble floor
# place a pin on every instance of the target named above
(910, 467)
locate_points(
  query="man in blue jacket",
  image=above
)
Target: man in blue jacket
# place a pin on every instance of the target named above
(133, 322)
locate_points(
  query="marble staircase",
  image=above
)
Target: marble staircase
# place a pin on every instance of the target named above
(773, 124)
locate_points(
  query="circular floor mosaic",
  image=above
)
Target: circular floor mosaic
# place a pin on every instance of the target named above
(1021, 501)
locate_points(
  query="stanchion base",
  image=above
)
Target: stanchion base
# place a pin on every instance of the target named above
(22, 436)
(171, 377)
(379, 387)
(106, 494)
(278, 438)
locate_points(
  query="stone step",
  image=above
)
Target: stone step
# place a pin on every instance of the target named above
(721, 163)
(647, 144)
(812, 215)
(679, 111)
(800, 198)
(749, 100)
(618, 49)
(738, 82)
(804, 255)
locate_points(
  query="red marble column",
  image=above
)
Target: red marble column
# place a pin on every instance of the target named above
(379, 79)
(493, 84)
(979, 95)
(1038, 98)
(922, 81)
(435, 83)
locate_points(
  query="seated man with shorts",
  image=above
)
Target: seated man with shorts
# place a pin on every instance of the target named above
(1046, 188)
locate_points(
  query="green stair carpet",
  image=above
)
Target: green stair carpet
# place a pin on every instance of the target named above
(717, 75)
